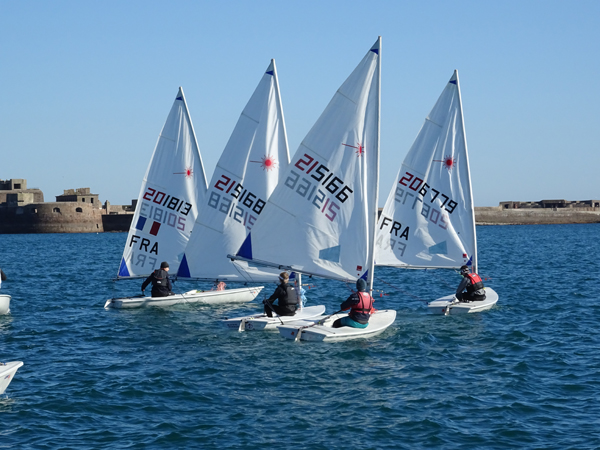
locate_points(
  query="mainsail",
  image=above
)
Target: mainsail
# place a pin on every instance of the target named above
(320, 220)
(428, 220)
(167, 206)
(250, 167)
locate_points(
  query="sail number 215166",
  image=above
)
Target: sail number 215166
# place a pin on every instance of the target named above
(324, 200)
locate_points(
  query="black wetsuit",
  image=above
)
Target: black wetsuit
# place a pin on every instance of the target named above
(161, 284)
(287, 301)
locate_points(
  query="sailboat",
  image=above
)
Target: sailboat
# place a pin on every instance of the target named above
(428, 221)
(248, 170)
(4, 304)
(7, 372)
(167, 207)
(4, 299)
(320, 220)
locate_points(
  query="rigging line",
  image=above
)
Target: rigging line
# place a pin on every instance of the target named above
(402, 290)
(245, 275)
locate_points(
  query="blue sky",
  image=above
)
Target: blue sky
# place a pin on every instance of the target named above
(85, 86)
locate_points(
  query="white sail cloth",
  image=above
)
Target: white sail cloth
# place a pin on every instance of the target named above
(428, 220)
(168, 202)
(318, 219)
(250, 167)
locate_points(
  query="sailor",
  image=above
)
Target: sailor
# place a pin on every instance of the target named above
(2, 276)
(472, 283)
(360, 304)
(287, 298)
(161, 284)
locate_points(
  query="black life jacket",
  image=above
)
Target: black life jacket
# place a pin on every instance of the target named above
(476, 283)
(160, 277)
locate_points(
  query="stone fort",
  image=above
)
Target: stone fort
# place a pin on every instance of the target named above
(23, 210)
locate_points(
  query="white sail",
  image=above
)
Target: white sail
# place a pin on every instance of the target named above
(167, 206)
(320, 217)
(249, 169)
(428, 220)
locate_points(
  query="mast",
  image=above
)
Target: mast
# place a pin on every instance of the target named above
(276, 79)
(462, 120)
(373, 228)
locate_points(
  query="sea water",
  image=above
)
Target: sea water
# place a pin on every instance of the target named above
(522, 375)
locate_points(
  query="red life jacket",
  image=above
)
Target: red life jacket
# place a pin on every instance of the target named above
(365, 304)
(476, 283)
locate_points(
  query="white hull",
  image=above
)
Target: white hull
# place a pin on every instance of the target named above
(314, 331)
(4, 304)
(241, 295)
(449, 305)
(261, 322)
(7, 372)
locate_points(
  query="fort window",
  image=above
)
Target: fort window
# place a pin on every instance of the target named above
(17, 185)
(56, 210)
(91, 200)
(83, 199)
(78, 209)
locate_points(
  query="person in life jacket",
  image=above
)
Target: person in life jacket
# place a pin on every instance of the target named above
(472, 283)
(286, 296)
(360, 304)
(161, 284)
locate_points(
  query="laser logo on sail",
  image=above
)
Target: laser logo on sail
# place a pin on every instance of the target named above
(448, 161)
(188, 172)
(360, 150)
(268, 163)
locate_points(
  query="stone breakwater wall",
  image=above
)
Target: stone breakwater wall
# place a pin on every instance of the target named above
(535, 216)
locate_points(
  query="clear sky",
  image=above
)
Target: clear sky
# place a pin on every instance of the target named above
(85, 86)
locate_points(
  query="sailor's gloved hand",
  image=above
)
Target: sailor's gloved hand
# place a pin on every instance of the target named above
(264, 302)
(143, 291)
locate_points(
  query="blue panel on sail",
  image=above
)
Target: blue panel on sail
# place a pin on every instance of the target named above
(123, 270)
(270, 72)
(364, 277)
(330, 254)
(439, 249)
(245, 250)
(469, 262)
(140, 223)
(184, 270)
(179, 97)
